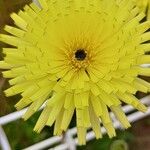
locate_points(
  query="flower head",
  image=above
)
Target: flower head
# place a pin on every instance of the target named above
(77, 56)
(144, 5)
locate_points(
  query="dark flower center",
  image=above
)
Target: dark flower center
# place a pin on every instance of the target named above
(80, 54)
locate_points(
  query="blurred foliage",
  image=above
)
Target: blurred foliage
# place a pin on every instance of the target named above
(21, 134)
(119, 145)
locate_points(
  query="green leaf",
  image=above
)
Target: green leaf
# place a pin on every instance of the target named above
(119, 145)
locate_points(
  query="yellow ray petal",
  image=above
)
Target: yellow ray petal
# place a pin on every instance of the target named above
(121, 116)
(57, 127)
(42, 119)
(55, 110)
(95, 123)
(132, 100)
(67, 116)
(81, 135)
(107, 121)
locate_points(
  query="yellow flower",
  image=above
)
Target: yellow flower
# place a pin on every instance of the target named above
(144, 5)
(75, 55)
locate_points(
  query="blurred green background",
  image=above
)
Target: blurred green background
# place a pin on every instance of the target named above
(20, 134)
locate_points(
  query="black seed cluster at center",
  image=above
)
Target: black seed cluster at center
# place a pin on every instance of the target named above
(80, 54)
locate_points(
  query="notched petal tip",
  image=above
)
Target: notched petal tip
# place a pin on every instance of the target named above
(9, 92)
(142, 107)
